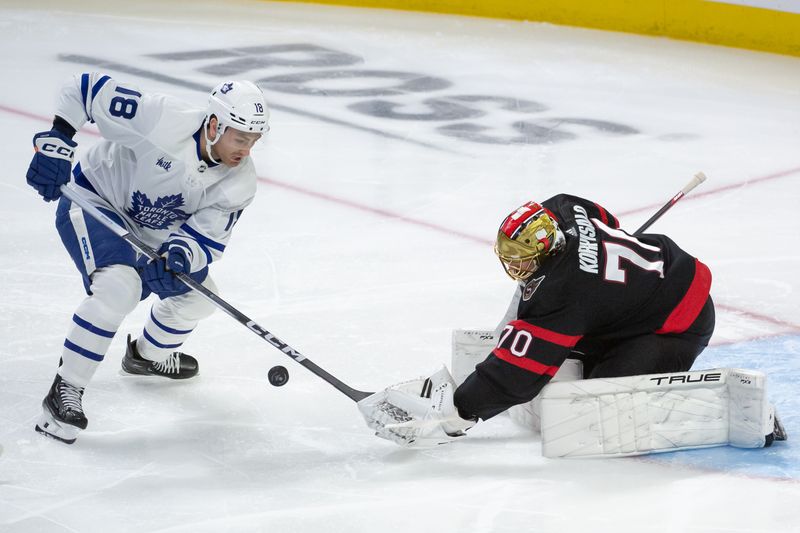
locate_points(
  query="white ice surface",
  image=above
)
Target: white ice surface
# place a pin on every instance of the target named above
(364, 249)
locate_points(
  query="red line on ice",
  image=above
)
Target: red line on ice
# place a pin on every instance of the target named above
(697, 195)
(791, 328)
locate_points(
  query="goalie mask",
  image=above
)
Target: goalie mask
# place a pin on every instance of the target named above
(239, 105)
(526, 237)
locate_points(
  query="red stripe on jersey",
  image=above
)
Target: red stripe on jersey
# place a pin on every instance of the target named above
(607, 218)
(603, 214)
(567, 341)
(687, 310)
(523, 362)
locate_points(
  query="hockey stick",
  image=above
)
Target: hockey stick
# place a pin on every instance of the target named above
(240, 317)
(696, 180)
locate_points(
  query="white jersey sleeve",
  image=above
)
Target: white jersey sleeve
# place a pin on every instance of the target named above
(116, 109)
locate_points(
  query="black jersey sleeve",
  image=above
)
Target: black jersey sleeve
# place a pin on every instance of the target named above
(525, 359)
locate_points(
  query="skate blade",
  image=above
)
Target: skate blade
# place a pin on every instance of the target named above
(50, 427)
(779, 432)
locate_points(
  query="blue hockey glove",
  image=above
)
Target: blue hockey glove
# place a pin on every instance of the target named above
(51, 164)
(159, 274)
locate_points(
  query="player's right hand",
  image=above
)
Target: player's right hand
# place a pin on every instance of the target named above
(159, 274)
(51, 164)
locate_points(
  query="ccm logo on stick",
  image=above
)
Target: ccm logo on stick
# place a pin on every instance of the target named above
(273, 340)
(687, 378)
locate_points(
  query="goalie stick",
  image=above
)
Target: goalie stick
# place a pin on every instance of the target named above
(237, 315)
(696, 180)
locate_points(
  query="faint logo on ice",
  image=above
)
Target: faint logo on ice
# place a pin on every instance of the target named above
(160, 214)
(436, 102)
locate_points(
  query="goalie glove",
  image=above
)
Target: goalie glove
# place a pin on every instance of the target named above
(416, 414)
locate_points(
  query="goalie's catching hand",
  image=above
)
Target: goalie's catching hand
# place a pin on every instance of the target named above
(416, 414)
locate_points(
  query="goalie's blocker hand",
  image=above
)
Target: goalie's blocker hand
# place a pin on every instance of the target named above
(418, 413)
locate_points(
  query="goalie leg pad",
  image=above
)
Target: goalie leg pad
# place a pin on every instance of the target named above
(529, 414)
(656, 413)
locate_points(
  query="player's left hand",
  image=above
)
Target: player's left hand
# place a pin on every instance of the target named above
(51, 164)
(416, 414)
(159, 274)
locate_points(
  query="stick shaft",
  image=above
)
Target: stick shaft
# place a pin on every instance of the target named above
(696, 180)
(237, 315)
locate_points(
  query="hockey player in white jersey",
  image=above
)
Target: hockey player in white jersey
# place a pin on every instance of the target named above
(178, 178)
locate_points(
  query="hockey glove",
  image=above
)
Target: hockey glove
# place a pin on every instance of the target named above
(159, 274)
(416, 414)
(51, 164)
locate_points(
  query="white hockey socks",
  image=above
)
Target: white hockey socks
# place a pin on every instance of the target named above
(171, 321)
(656, 413)
(115, 293)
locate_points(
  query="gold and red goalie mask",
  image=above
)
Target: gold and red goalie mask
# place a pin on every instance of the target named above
(526, 237)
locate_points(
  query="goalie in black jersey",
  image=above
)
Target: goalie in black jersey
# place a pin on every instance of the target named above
(623, 305)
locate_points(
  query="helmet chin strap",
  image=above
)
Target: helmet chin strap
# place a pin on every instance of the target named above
(217, 137)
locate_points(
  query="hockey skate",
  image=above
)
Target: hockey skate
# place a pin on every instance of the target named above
(177, 366)
(62, 412)
(778, 433)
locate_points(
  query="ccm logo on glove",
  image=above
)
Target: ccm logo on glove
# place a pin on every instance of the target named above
(59, 151)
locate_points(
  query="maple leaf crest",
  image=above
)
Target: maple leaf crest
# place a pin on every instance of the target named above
(140, 200)
(159, 214)
(170, 203)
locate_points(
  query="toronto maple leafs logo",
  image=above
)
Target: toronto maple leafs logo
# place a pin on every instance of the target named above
(160, 214)
(227, 87)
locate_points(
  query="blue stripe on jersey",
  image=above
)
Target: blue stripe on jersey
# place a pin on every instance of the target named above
(80, 179)
(99, 85)
(123, 90)
(82, 351)
(234, 218)
(85, 94)
(151, 339)
(202, 239)
(168, 329)
(91, 327)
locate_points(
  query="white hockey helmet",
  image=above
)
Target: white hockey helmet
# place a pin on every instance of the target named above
(239, 105)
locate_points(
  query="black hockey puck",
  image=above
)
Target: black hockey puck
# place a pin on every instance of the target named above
(278, 376)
